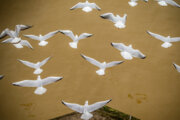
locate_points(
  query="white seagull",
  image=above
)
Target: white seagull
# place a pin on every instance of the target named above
(1, 77)
(14, 37)
(128, 52)
(133, 3)
(177, 67)
(119, 22)
(166, 2)
(37, 66)
(86, 109)
(102, 66)
(86, 6)
(75, 38)
(41, 38)
(167, 40)
(39, 83)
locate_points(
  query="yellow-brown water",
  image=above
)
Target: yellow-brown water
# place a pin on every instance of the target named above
(148, 89)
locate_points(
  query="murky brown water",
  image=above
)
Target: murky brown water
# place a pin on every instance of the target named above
(148, 89)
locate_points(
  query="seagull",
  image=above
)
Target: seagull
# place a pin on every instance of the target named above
(167, 40)
(1, 77)
(133, 3)
(75, 38)
(86, 6)
(166, 2)
(102, 65)
(39, 83)
(41, 38)
(128, 52)
(118, 21)
(177, 67)
(86, 109)
(36, 66)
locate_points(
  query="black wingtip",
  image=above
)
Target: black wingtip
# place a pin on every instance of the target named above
(144, 57)
(15, 84)
(102, 16)
(1, 77)
(82, 56)
(112, 44)
(63, 102)
(174, 66)
(109, 100)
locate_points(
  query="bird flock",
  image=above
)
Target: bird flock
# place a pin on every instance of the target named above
(126, 51)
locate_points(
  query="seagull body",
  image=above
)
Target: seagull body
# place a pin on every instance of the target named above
(86, 6)
(86, 109)
(1, 77)
(37, 66)
(75, 38)
(167, 40)
(39, 83)
(133, 3)
(166, 2)
(177, 67)
(42, 38)
(127, 52)
(118, 21)
(102, 66)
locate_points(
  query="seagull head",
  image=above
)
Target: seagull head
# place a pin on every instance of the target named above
(40, 35)
(86, 103)
(168, 37)
(38, 77)
(104, 63)
(130, 45)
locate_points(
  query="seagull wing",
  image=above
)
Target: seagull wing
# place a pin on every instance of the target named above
(44, 61)
(27, 83)
(175, 39)
(9, 40)
(78, 5)
(20, 27)
(84, 35)
(68, 33)
(32, 37)
(3, 34)
(113, 63)
(26, 43)
(1, 77)
(93, 5)
(109, 16)
(27, 63)
(97, 105)
(24, 27)
(50, 80)
(177, 67)
(157, 36)
(119, 46)
(173, 3)
(124, 18)
(50, 34)
(92, 61)
(138, 54)
(75, 107)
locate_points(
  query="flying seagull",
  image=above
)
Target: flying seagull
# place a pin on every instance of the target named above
(102, 66)
(37, 66)
(167, 40)
(118, 21)
(133, 3)
(177, 67)
(1, 77)
(39, 83)
(128, 52)
(86, 109)
(86, 6)
(41, 38)
(166, 2)
(75, 38)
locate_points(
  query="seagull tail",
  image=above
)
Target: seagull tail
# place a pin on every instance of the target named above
(38, 71)
(40, 90)
(73, 44)
(100, 72)
(86, 116)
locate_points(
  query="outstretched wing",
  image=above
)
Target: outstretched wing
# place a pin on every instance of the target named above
(97, 105)
(9, 40)
(50, 34)
(68, 33)
(27, 63)
(175, 39)
(75, 107)
(3, 33)
(157, 36)
(109, 16)
(92, 61)
(93, 5)
(44, 61)
(177, 67)
(173, 3)
(78, 5)
(26, 43)
(27, 83)
(84, 35)
(124, 18)
(21, 27)
(119, 46)
(50, 80)
(113, 63)
(32, 37)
